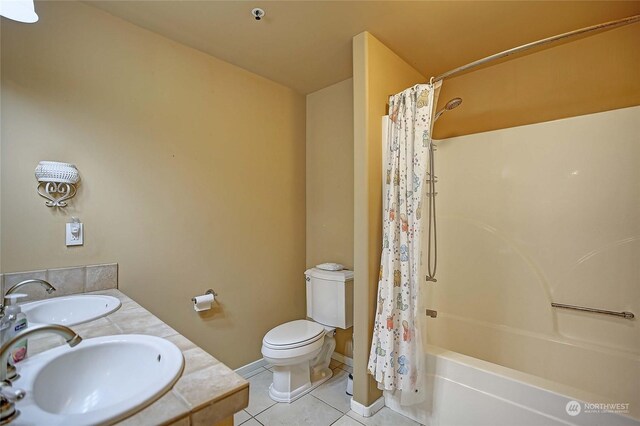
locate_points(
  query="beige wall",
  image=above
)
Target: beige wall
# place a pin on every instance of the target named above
(192, 172)
(329, 181)
(536, 214)
(377, 73)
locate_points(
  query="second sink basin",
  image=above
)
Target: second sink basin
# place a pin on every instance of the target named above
(99, 381)
(70, 310)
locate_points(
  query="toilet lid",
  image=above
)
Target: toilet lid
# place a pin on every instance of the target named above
(293, 334)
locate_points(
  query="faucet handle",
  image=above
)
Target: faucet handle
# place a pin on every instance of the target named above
(11, 393)
(8, 398)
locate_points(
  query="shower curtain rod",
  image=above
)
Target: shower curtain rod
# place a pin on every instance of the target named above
(524, 47)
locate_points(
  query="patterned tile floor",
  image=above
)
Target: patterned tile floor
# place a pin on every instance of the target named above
(328, 404)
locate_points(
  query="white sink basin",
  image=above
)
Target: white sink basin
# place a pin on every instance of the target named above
(70, 310)
(101, 380)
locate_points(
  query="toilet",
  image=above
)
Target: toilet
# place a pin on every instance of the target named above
(300, 351)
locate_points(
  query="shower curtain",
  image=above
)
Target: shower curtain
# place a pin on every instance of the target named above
(396, 349)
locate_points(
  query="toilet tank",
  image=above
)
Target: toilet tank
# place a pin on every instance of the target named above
(330, 297)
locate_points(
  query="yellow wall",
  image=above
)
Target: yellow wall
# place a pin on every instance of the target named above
(192, 171)
(329, 181)
(583, 76)
(377, 73)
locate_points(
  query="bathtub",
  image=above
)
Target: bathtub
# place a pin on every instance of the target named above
(463, 390)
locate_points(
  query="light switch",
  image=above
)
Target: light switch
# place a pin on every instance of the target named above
(75, 234)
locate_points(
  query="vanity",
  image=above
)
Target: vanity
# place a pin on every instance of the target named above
(205, 392)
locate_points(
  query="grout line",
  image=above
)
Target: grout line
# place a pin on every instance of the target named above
(250, 417)
(354, 419)
(272, 405)
(327, 404)
(336, 408)
(179, 396)
(350, 418)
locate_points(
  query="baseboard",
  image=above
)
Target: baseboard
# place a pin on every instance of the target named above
(251, 367)
(343, 359)
(262, 363)
(367, 411)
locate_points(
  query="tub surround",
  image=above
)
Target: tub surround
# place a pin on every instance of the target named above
(526, 217)
(207, 392)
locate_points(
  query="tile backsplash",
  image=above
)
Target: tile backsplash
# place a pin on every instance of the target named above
(67, 281)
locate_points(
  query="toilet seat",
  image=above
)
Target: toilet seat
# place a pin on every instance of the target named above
(299, 352)
(293, 334)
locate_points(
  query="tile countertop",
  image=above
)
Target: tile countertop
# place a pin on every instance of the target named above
(207, 392)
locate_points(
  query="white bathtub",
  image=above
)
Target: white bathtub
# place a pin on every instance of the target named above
(468, 391)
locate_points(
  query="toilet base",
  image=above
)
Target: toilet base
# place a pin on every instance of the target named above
(293, 380)
(319, 378)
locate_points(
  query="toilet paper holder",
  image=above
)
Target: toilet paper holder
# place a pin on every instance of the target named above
(210, 291)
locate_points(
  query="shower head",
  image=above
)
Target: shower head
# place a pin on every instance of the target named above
(453, 103)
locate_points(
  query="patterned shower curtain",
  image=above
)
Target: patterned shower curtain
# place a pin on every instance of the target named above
(396, 349)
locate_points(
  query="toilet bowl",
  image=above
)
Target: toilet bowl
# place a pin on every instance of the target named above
(300, 353)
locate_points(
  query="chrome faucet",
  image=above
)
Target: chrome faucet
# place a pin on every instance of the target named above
(9, 395)
(47, 286)
(4, 321)
(70, 336)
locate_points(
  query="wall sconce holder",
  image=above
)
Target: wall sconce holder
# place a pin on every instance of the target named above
(56, 182)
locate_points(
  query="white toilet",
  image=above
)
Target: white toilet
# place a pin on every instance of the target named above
(300, 351)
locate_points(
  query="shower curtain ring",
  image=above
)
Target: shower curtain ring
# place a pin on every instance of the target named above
(431, 80)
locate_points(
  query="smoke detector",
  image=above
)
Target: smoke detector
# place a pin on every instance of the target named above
(257, 14)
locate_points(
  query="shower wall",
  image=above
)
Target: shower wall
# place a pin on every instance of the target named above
(535, 214)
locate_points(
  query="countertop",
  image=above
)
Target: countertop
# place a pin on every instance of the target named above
(207, 392)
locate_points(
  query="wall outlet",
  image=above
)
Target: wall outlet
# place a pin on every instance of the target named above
(75, 233)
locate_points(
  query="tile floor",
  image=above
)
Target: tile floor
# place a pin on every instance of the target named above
(328, 404)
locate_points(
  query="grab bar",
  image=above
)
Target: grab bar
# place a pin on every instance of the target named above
(623, 314)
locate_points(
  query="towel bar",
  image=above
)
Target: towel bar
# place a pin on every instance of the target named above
(623, 314)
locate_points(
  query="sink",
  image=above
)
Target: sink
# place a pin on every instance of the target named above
(101, 380)
(70, 310)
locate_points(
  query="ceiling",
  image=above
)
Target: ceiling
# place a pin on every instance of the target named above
(306, 45)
